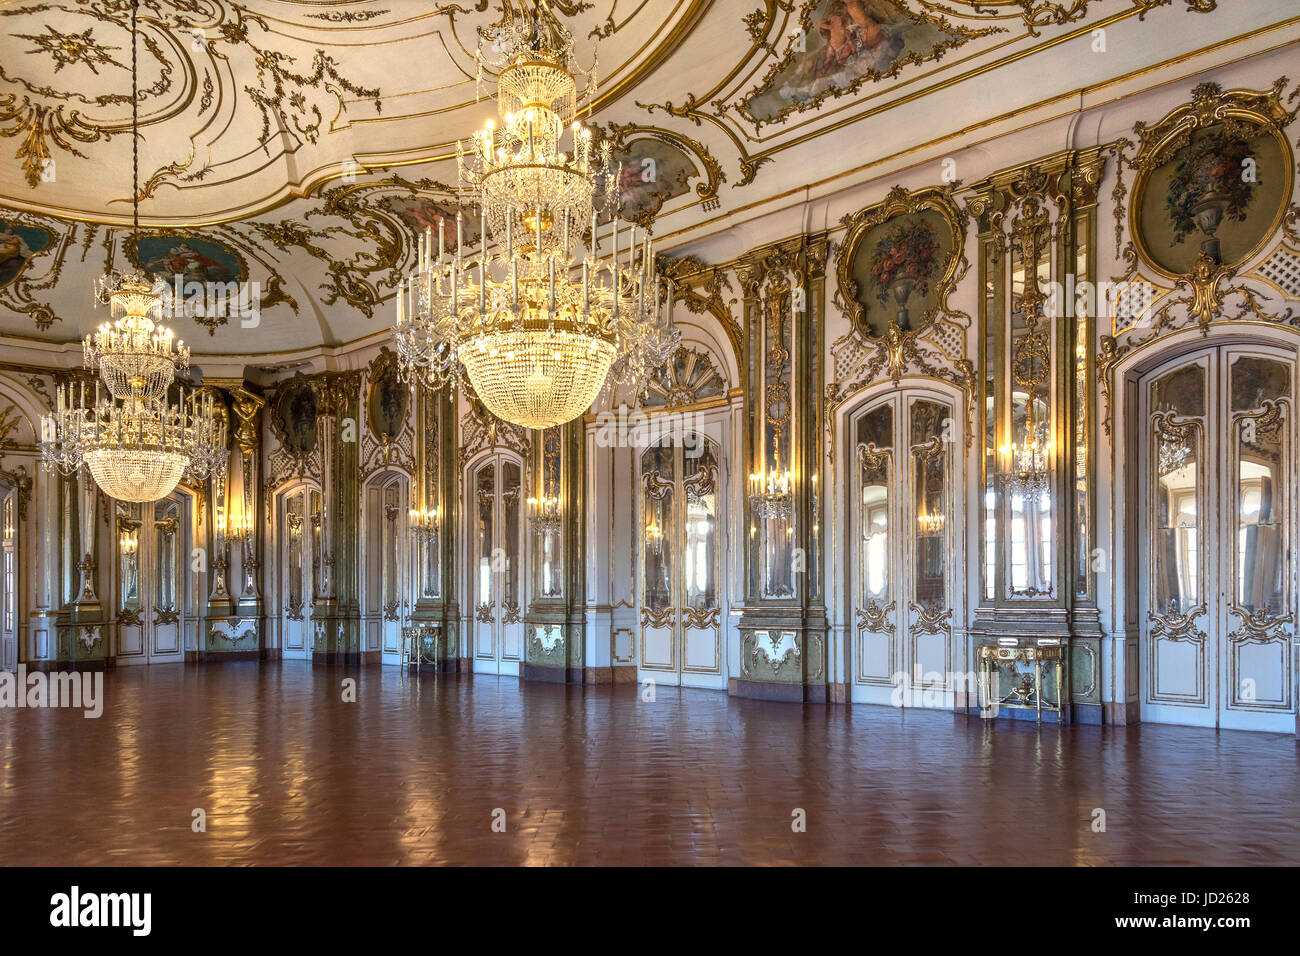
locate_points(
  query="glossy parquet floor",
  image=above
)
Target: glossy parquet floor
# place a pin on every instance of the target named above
(411, 773)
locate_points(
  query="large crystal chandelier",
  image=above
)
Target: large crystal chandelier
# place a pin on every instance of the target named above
(136, 444)
(535, 329)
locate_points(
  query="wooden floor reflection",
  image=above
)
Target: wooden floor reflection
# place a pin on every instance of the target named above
(288, 773)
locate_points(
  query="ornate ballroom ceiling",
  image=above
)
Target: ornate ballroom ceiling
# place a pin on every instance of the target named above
(297, 143)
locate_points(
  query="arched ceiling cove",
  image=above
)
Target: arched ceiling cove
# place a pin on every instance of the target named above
(298, 144)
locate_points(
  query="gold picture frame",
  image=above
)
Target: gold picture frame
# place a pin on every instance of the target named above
(924, 208)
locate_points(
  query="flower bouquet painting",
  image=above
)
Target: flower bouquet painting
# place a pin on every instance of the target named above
(1210, 185)
(905, 262)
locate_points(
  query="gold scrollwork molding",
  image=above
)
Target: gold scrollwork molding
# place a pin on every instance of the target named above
(1260, 625)
(657, 617)
(1175, 625)
(930, 619)
(874, 618)
(700, 618)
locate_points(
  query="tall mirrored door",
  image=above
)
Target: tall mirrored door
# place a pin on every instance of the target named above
(387, 561)
(299, 550)
(679, 560)
(900, 525)
(495, 543)
(152, 557)
(1218, 596)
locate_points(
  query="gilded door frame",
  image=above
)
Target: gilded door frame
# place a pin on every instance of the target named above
(499, 454)
(960, 539)
(1131, 459)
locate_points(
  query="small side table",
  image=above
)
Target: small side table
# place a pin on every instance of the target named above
(413, 650)
(1023, 696)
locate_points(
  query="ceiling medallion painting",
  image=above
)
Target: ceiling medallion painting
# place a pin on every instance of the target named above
(839, 45)
(18, 245)
(656, 165)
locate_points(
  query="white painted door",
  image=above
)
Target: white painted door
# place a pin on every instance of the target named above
(1217, 542)
(298, 554)
(681, 538)
(386, 556)
(9, 591)
(901, 531)
(496, 570)
(152, 551)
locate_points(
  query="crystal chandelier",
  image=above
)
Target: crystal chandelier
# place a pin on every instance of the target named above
(535, 329)
(134, 355)
(136, 444)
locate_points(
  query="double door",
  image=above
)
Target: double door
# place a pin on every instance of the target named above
(901, 529)
(681, 537)
(387, 566)
(300, 568)
(495, 546)
(152, 547)
(1217, 546)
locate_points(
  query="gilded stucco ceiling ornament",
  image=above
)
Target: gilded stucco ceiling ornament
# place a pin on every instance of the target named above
(359, 232)
(214, 41)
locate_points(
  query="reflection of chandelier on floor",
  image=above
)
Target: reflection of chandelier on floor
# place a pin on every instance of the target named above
(536, 330)
(136, 444)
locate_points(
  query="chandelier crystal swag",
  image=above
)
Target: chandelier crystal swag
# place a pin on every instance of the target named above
(535, 328)
(134, 442)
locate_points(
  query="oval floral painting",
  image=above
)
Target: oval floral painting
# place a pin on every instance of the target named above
(899, 267)
(1222, 194)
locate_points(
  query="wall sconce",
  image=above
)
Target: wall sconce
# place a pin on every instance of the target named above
(545, 515)
(127, 543)
(930, 524)
(770, 494)
(1025, 467)
(239, 527)
(424, 523)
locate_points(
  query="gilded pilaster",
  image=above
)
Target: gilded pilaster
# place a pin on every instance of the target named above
(336, 613)
(555, 621)
(783, 625)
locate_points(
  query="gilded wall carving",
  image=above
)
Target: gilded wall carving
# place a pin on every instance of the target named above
(1208, 148)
